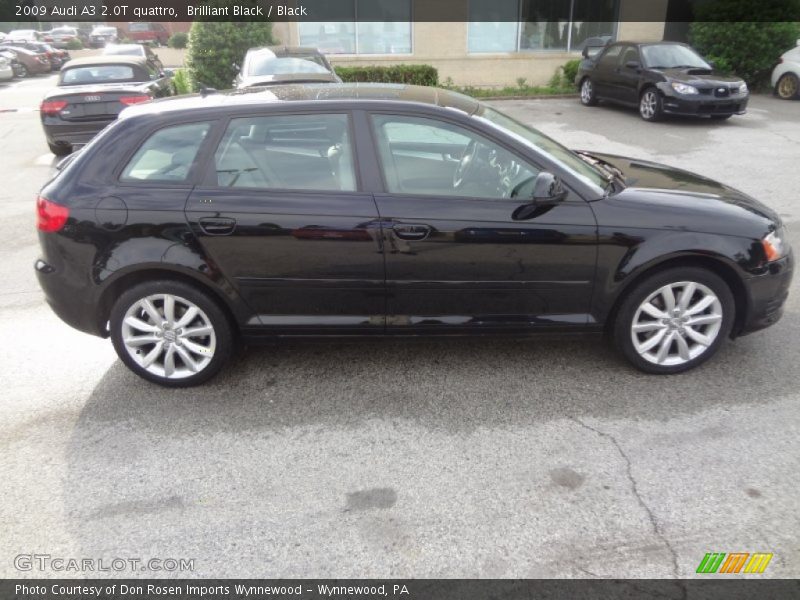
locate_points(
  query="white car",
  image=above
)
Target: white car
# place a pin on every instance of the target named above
(786, 74)
(24, 35)
(6, 70)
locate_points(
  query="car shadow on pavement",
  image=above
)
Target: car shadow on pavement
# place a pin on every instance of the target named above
(448, 384)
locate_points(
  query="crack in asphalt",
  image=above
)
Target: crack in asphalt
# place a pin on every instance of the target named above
(657, 529)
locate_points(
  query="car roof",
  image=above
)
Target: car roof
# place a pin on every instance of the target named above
(114, 59)
(310, 93)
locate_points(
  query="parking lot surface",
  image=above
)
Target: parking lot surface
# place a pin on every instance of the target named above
(452, 458)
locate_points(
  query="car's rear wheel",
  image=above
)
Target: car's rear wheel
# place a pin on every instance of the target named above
(788, 86)
(60, 149)
(588, 96)
(171, 333)
(650, 105)
(674, 320)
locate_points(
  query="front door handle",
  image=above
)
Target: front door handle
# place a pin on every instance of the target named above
(217, 225)
(411, 232)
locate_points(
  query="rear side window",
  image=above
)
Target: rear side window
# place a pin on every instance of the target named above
(167, 155)
(300, 152)
(611, 55)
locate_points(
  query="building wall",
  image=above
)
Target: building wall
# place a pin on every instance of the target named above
(444, 46)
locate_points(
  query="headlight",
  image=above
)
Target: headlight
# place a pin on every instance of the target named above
(775, 246)
(743, 88)
(683, 88)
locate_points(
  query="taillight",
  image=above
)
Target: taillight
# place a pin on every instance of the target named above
(50, 216)
(52, 107)
(128, 100)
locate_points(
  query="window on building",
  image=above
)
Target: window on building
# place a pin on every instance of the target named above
(371, 26)
(536, 25)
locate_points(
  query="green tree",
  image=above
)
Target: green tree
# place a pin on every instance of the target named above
(216, 48)
(745, 37)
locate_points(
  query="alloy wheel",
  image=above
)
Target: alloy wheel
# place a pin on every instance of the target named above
(648, 104)
(586, 91)
(677, 323)
(168, 336)
(788, 86)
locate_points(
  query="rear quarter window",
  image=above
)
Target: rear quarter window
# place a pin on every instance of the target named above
(167, 155)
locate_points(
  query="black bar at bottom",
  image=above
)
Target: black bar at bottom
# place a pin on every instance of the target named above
(396, 589)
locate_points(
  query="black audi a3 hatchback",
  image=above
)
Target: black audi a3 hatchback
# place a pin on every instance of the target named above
(660, 78)
(378, 210)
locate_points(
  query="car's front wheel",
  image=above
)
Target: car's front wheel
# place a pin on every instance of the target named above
(588, 96)
(674, 320)
(650, 105)
(788, 86)
(171, 333)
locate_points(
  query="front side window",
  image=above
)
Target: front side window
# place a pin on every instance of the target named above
(167, 155)
(429, 157)
(371, 26)
(294, 152)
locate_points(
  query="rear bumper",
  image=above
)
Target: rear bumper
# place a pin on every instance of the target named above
(704, 105)
(65, 292)
(58, 131)
(767, 294)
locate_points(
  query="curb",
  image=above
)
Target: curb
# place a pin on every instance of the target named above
(542, 97)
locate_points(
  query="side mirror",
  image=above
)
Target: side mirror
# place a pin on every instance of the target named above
(632, 64)
(585, 52)
(548, 189)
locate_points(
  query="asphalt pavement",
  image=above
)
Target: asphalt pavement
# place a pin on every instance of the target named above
(458, 458)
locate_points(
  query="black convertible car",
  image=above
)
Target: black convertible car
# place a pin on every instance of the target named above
(91, 93)
(660, 78)
(363, 210)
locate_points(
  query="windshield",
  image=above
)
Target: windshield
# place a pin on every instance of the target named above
(139, 27)
(103, 30)
(672, 56)
(97, 74)
(269, 65)
(563, 156)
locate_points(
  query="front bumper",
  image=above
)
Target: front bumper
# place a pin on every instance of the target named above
(767, 294)
(703, 104)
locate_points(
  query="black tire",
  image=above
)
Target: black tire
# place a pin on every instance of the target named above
(60, 149)
(221, 339)
(23, 71)
(634, 299)
(651, 105)
(788, 87)
(587, 92)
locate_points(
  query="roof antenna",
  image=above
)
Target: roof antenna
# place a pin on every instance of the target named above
(205, 91)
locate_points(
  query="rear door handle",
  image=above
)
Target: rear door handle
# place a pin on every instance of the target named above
(411, 232)
(217, 225)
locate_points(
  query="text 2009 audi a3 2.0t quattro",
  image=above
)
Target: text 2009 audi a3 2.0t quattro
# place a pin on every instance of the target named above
(340, 210)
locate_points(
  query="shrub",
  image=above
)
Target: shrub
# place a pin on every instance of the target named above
(178, 40)
(74, 44)
(182, 82)
(738, 44)
(570, 69)
(216, 49)
(410, 74)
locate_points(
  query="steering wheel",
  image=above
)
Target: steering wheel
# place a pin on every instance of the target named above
(466, 165)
